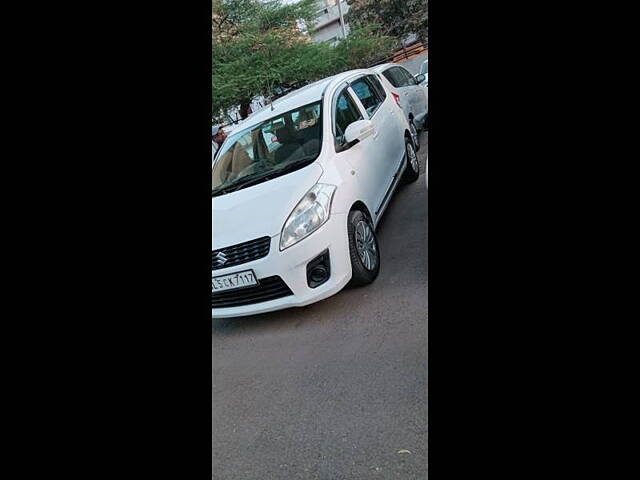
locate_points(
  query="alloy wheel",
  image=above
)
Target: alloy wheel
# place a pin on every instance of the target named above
(366, 245)
(414, 133)
(413, 158)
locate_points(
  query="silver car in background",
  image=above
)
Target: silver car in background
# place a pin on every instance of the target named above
(408, 93)
(424, 70)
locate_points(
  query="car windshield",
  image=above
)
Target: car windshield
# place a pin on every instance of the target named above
(274, 147)
(425, 68)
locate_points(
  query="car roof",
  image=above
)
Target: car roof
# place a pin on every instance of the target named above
(385, 66)
(302, 96)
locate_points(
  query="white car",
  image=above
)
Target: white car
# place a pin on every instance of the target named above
(412, 97)
(294, 225)
(424, 70)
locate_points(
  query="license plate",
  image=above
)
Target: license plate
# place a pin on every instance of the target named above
(233, 281)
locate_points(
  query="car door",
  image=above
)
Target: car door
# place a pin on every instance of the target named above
(363, 157)
(388, 136)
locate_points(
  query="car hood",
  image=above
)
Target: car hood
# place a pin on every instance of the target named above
(260, 210)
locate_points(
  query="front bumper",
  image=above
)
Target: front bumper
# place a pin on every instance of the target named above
(291, 266)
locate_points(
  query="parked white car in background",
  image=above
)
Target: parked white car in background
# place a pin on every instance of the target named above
(410, 95)
(424, 70)
(294, 224)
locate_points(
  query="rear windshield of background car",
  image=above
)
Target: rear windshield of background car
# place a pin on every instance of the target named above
(398, 77)
(393, 79)
(409, 79)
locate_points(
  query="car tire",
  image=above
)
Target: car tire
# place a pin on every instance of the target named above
(415, 136)
(363, 249)
(412, 171)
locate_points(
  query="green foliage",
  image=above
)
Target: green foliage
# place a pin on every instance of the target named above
(258, 47)
(276, 15)
(363, 47)
(254, 66)
(397, 18)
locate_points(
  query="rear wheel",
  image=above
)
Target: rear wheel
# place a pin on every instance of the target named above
(363, 249)
(414, 134)
(412, 172)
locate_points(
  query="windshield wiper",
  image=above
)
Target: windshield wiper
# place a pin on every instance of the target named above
(232, 187)
(278, 172)
(294, 165)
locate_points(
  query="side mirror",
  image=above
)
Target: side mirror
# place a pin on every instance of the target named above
(420, 78)
(355, 132)
(358, 130)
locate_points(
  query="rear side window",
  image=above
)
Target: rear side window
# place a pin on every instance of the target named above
(367, 94)
(346, 113)
(378, 87)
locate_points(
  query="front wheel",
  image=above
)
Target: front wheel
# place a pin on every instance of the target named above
(363, 249)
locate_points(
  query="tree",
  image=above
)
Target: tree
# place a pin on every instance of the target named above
(259, 46)
(364, 46)
(397, 18)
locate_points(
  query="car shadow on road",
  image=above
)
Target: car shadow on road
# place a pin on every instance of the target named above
(328, 310)
(403, 190)
(283, 319)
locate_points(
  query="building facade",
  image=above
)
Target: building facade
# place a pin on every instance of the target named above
(327, 28)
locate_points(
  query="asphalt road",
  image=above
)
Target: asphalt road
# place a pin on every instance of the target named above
(336, 389)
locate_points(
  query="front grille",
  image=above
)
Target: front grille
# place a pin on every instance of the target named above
(270, 288)
(240, 253)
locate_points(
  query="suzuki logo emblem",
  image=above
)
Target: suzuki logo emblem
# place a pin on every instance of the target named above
(221, 258)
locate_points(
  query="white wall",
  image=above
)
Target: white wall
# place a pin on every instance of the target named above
(328, 24)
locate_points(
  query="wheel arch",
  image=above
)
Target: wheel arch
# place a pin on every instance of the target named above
(360, 205)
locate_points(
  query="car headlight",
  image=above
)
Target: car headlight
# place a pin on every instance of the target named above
(309, 215)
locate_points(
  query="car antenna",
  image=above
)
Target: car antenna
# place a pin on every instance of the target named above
(271, 95)
(268, 100)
